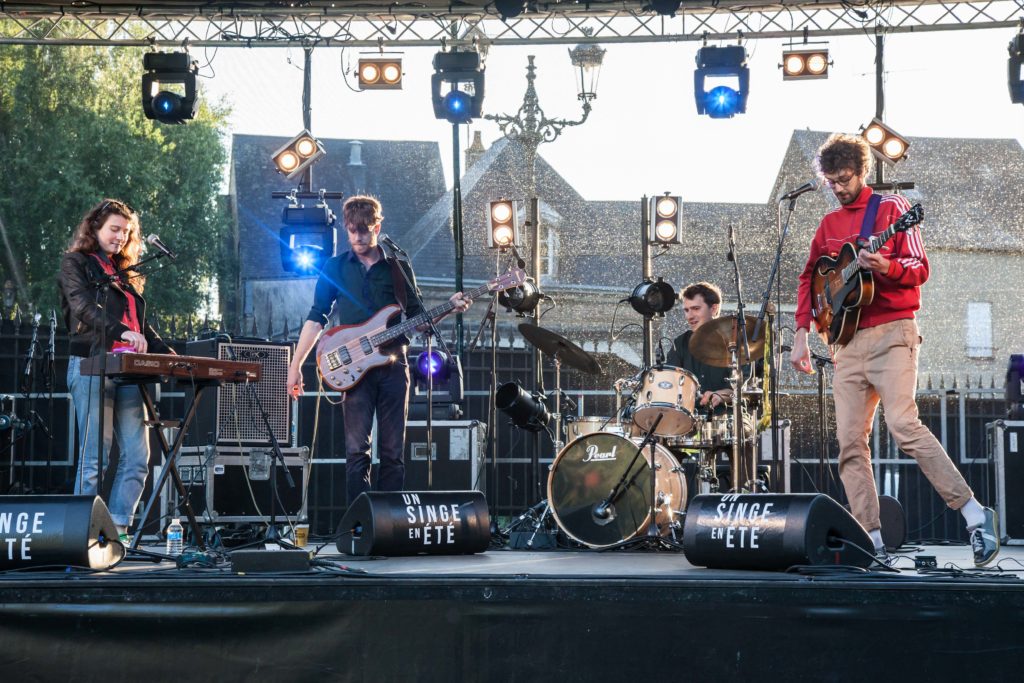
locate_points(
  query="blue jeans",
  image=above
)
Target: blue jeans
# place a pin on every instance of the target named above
(124, 414)
(384, 389)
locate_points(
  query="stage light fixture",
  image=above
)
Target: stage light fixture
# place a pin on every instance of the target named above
(886, 144)
(294, 156)
(436, 364)
(307, 238)
(723, 101)
(461, 71)
(1015, 69)
(666, 226)
(169, 87)
(527, 411)
(804, 64)
(666, 8)
(522, 299)
(504, 224)
(379, 73)
(509, 9)
(651, 299)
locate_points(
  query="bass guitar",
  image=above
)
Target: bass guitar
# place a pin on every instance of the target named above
(840, 287)
(345, 353)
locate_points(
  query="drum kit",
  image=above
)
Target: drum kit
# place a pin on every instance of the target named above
(619, 479)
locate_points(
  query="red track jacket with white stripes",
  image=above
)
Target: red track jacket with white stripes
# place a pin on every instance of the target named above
(897, 292)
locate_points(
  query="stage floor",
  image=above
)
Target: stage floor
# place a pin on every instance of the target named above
(507, 615)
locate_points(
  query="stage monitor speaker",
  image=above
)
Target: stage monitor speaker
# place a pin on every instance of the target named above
(893, 520)
(58, 531)
(398, 523)
(772, 531)
(234, 418)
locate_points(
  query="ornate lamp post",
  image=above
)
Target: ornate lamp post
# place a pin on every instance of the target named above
(531, 127)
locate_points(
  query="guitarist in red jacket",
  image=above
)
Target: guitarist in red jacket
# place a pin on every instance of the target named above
(879, 363)
(356, 284)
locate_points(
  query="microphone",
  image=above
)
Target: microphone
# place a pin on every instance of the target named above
(660, 356)
(520, 261)
(391, 243)
(603, 513)
(52, 350)
(154, 241)
(809, 186)
(732, 246)
(32, 344)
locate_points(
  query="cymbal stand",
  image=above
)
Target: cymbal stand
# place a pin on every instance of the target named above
(557, 415)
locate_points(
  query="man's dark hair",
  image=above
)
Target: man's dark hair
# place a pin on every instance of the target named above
(710, 293)
(844, 151)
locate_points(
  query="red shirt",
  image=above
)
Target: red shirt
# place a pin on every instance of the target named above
(897, 292)
(130, 319)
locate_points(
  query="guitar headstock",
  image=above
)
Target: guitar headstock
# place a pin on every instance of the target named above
(508, 280)
(909, 219)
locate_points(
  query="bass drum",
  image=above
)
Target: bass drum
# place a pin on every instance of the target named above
(586, 471)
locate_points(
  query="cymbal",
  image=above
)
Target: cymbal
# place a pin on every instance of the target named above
(557, 346)
(709, 343)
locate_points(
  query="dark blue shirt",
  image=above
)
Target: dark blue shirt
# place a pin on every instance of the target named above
(355, 293)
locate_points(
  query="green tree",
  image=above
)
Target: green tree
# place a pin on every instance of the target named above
(72, 132)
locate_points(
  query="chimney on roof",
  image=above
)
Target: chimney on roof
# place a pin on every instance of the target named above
(356, 167)
(475, 150)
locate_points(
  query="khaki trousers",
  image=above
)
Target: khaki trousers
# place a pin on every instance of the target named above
(880, 363)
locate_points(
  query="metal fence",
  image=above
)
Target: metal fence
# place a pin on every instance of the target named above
(42, 459)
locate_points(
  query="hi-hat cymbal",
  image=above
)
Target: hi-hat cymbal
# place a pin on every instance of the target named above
(555, 345)
(709, 343)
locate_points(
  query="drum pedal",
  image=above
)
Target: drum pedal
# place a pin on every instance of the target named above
(531, 540)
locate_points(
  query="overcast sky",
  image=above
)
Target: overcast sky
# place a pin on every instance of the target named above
(644, 136)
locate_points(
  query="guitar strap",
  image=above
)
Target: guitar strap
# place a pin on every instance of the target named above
(870, 213)
(399, 283)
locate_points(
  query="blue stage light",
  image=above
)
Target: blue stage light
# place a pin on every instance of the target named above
(721, 102)
(430, 364)
(308, 258)
(457, 105)
(166, 103)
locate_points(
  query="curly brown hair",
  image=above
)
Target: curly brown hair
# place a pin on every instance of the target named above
(844, 151)
(362, 211)
(710, 293)
(84, 238)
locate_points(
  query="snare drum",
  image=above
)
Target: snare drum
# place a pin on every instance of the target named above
(581, 426)
(587, 469)
(672, 393)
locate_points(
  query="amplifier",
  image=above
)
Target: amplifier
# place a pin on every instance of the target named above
(226, 484)
(1005, 440)
(459, 455)
(234, 418)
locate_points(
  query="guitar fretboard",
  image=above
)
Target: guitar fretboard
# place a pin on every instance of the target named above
(412, 323)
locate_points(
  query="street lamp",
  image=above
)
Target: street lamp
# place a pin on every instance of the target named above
(530, 127)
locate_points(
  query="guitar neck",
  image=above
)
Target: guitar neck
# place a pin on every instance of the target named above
(874, 244)
(412, 323)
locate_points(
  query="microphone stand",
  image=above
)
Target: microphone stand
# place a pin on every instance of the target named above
(766, 296)
(820, 362)
(401, 255)
(51, 354)
(738, 379)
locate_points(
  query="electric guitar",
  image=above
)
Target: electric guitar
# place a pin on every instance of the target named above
(840, 287)
(345, 353)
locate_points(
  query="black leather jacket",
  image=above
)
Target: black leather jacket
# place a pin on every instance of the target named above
(78, 276)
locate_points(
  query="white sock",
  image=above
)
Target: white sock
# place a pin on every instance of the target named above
(974, 514)
(876, 538)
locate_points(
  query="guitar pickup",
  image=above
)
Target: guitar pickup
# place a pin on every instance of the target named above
(367, 346)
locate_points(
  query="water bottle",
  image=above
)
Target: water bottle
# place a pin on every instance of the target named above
(175, 533)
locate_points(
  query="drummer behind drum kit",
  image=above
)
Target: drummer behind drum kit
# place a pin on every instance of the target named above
(600, 488)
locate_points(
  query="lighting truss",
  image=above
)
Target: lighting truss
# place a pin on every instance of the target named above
(434, 23)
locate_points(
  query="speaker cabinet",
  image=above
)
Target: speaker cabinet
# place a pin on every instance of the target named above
(398, 523)
(234, 418)
(772, 531)
(57, 531)
(1006, 449)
